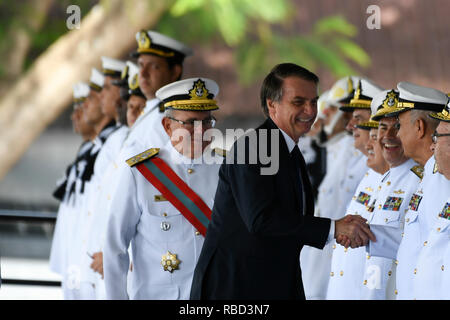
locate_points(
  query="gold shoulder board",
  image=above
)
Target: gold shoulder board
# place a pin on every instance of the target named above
(220, 152)
(418, 171)
(147, 154)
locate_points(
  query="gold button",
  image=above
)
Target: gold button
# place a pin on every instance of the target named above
(396, 292)
(346, 249)
(396, 262)
(190, 171)
(365, 282)
(438, 229)
(388, 183)
(415, 271)
(403, 234)
(331, 274)
(389, 273)
(425, 243)
(442, 267)
(368, 257)
(379, 206)
(164, 214)
(407, 219)
(197, 233)
(341, 273)
(386, 220)
(334, 246)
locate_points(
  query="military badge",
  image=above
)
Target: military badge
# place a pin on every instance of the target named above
(144, 40)
(414, 202)
(199, 90)
(445, 213)
(363, 198)
(393, 203)
(134, 83)
(170, 262)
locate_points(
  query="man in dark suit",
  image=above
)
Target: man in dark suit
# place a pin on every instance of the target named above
(260, 222)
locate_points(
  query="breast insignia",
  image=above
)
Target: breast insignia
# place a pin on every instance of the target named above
(418, 171)
(147, 154)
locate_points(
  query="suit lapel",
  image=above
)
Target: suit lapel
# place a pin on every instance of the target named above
(287, 166)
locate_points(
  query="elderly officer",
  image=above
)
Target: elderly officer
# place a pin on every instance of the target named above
(65, 191)
(441, 149)
(348, 265)
(412, 107)
(430, 274)
(164, 201)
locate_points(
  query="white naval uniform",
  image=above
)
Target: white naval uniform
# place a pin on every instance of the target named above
(59, 249)
(153, 228)
(430, 266)
(147, 132)
(348, 265)
(346, 167)
(386, 222)
(96, 214)
(445, 292)
(415, 233)
(83, 287)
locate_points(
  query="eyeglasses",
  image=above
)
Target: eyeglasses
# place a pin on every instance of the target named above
(209, 123)
(435, 135)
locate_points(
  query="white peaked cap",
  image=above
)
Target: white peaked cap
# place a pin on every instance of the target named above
(112, 66)
(190, 94)
(160, 40)
(80, 90)
(97, 80)
(322, 103)
(415, 93)
(343, 89)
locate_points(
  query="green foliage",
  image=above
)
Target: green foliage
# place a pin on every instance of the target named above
(257, 32)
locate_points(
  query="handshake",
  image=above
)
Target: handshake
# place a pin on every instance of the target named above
(352, 231)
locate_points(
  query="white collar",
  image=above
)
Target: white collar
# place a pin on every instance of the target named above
(289, 141)
(149, 104)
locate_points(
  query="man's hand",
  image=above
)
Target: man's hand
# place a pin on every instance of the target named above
(353, 231)
(97, 263)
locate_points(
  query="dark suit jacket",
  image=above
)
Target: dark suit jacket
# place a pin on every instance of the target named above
(259, 225)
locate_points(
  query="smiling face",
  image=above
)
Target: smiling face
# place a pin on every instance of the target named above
(441, 149)
(391, 145)
(187, 138)
(297, 109)
(375, 159)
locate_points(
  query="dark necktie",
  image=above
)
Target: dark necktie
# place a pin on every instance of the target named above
(307, 195)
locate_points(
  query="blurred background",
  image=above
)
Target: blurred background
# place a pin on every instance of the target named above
(44, 50)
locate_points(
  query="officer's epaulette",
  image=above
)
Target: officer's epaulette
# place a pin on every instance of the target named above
(221, 152)
(147, 154)
(418, 171)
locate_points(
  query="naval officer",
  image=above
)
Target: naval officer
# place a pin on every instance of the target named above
(431, 275)
(348, 265)
(412, 106)
(164, 200)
